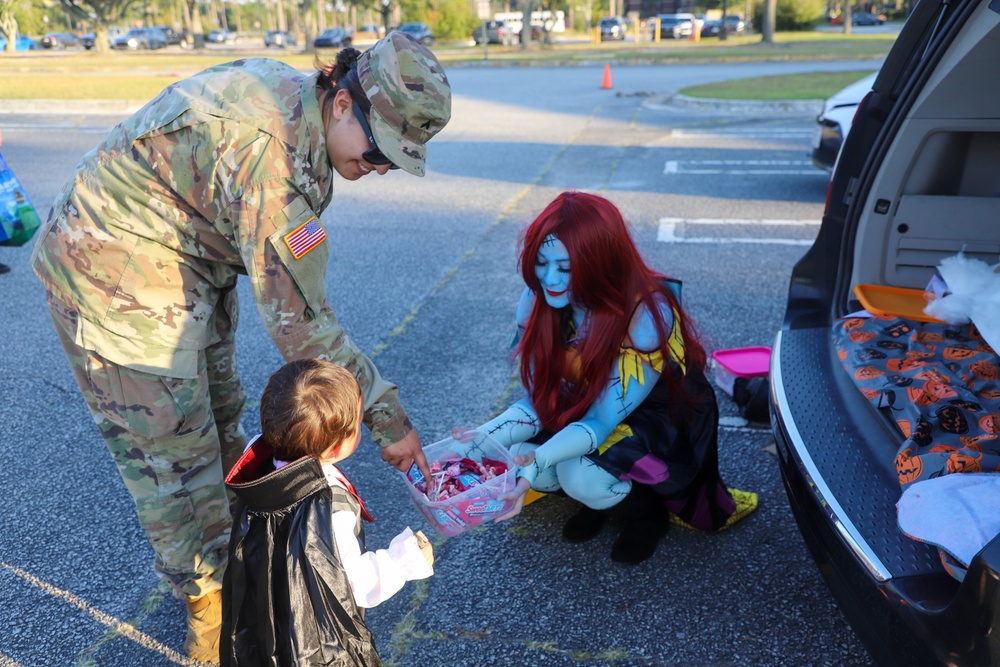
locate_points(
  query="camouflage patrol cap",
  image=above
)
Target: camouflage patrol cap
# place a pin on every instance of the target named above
(410, 96)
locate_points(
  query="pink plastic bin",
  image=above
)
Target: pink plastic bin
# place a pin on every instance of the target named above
(739, 362)
(474, 506)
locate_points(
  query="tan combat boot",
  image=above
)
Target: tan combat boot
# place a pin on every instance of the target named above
(204, 624)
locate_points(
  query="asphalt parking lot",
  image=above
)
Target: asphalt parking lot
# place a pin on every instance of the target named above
(423, 276)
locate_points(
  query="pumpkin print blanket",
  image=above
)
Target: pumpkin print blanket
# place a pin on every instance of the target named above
(940, 383)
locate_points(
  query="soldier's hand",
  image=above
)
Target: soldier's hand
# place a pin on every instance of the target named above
(401, 455)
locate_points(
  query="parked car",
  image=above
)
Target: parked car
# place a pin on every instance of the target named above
(673, 26)
(171, 35)
(219, 36)
(61, 40)
(735, 25)
(497, 32)
(864, 18)
(419, 31)
(332, 38)
(916, 182)
(612, 28)
(140, 39)
(23, 43)
(279, 39)
(157, 38)
(834, 122)
(113, 32)
(711, 28)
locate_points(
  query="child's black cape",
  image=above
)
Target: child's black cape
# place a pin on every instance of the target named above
(286, 598)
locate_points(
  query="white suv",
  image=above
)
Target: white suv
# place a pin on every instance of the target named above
(834, 121)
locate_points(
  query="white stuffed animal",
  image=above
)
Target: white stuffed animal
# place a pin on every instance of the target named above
(973, 294)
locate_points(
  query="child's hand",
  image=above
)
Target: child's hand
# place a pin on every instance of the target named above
(425, 547)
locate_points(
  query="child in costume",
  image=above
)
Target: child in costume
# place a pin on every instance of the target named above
(299, 576)
(618, 413)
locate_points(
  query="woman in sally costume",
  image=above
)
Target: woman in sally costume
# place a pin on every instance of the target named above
(618, 413)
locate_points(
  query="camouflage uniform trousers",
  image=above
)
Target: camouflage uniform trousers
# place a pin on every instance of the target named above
(171, 439)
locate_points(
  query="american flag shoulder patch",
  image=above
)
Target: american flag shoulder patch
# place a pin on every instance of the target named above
(305, 237)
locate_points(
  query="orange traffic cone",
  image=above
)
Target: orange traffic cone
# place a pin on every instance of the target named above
(606, 84)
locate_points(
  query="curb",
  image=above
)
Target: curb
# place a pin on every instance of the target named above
(736, 107)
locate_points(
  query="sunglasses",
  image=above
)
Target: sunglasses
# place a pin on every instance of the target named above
(373, 156)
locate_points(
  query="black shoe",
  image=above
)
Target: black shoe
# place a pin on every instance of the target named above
(638, 540)
(4, 268)
(646, 522)
(584, 525)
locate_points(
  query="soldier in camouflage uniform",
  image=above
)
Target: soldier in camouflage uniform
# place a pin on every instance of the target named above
(224, 173)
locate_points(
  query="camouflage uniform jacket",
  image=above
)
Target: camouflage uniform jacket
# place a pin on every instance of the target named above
(223, 173)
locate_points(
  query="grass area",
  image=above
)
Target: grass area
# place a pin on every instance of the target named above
(75, 87)
(787, 46)
(135, 76)
(808, 86)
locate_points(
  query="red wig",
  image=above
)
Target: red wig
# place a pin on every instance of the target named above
(608, 278)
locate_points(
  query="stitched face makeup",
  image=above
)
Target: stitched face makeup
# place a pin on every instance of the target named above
(552, 269)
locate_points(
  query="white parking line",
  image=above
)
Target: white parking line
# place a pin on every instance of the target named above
(119, 626)
(739, 133)
(676, 230)
(735, 167)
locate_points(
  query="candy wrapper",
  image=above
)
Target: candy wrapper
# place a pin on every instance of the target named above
(467, 480)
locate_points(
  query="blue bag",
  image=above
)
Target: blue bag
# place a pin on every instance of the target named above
(18, 219)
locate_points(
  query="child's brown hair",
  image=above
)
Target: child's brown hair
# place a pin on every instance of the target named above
(309, 405)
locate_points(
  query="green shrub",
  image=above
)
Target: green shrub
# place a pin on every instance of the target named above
(449, 19)
(791, 15)
(452, 19)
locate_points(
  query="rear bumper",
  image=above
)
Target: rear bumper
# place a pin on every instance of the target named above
(922, 618)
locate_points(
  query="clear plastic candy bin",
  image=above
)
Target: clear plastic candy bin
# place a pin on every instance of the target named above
(478, 503)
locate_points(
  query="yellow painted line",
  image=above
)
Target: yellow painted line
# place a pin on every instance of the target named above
(7, 661)
(110, 621)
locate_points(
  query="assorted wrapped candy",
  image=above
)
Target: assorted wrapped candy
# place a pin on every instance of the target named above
(467, 480)
(451, 477)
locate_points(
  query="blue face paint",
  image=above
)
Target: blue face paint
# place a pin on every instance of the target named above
(552, 269)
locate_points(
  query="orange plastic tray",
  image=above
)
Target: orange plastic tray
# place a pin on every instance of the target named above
(883, 300)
